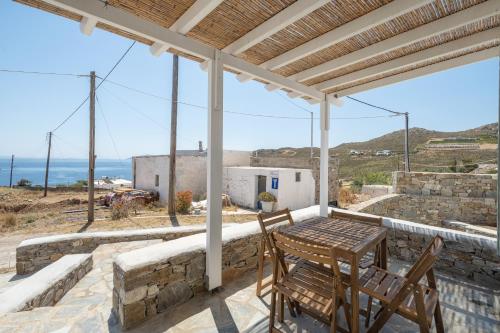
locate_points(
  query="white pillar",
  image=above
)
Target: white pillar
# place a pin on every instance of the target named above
(214, 173)
(323, 168)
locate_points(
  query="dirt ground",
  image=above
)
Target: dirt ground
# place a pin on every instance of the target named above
(25, 211)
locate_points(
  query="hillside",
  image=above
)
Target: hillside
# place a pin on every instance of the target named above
(421, 160)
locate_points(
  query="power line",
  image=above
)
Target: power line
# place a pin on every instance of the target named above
(18, 71)
(234, 112)
(132, 108)
(375, 106)
(108, 129)
(294, 104)
(102, 81)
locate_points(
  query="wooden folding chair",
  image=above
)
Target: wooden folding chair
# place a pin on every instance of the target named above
(315, 283)
(406, 295)
(267, 220)
(371, 258)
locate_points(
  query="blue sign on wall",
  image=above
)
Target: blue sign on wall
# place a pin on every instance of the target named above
(274, 183)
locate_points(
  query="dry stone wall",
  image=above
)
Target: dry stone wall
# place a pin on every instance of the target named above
(149, 281)
(432, 198)
(48, 286)
(34, 254)
(141, 294)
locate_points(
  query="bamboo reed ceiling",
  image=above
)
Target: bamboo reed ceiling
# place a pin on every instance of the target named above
(233, 19)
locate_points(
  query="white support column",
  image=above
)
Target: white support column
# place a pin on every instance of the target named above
(214, 173)
(323, 169)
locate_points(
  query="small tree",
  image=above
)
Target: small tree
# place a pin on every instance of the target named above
(24, 182)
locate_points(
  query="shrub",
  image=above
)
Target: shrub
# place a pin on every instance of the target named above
(9, 220)
(267, 197)
(183, 201)
(80, 183)
(371, 178)
(346, 196)
(24, 182)
(119, 209)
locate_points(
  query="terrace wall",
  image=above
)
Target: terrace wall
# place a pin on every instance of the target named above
(150, 280)
(432, 198)
(36, 253)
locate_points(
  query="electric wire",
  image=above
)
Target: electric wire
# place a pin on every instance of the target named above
(139, 91)
(100, 83)
(101, 110)
(19, 71)
(374, 106)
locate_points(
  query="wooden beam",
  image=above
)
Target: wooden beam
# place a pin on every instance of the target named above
(242, 66)
(348, 30)
(135, 25)
(472, 14)
(438, 67)
(276, 23)
(157, 49)
(412, 59)
(87, 25)
(191, 17)
(324, 156)
(214, 172)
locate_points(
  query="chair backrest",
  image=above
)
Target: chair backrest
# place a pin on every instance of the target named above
(426, 260)
(270, 219)
(322, 255)
(376, 220)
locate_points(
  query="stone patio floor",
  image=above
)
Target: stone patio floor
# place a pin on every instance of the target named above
(466, 307)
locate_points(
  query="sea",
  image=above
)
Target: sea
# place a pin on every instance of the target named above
(62, 172)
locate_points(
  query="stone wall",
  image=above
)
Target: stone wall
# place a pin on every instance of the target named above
(48, 286)
(34, 254)
(139, 295)
(432, 198)
(434, 210)
(150, 280)
(305, 163)
(471, 256)
(461, 185)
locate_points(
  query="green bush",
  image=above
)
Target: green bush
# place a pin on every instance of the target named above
(80, 183)
(371, 178)
(267, 197)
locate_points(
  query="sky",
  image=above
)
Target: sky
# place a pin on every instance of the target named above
(129, 123)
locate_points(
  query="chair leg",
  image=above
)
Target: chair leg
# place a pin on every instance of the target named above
(368, 311)
(419, 304)
(281, 310)
(273, 311)
(260, 268)
(438, 319)
(333, 322)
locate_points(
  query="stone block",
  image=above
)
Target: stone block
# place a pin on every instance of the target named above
(132, 314)
(174, 293)
(133, 296)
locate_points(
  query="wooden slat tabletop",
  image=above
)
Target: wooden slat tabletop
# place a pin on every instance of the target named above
(344, 235)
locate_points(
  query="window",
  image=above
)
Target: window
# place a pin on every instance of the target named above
(157, 180)
(297, 177)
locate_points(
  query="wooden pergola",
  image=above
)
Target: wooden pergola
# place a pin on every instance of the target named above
(318, 50)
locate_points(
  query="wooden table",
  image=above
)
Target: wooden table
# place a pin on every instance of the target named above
(352, 240)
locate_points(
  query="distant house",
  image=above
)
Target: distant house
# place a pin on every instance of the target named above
(293, 188)
(151, 172)
(384, 152)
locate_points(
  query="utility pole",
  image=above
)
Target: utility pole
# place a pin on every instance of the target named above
(173, 135)
(407, 143)
(11, 168)
(312, 143)
(47, 166)
(90, 185)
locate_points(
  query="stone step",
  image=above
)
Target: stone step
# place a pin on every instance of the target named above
(47, 286)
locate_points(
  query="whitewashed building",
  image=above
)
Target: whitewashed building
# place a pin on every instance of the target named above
(151, 172)
(293, 188)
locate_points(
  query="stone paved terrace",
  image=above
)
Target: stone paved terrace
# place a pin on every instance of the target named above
(466, 307)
